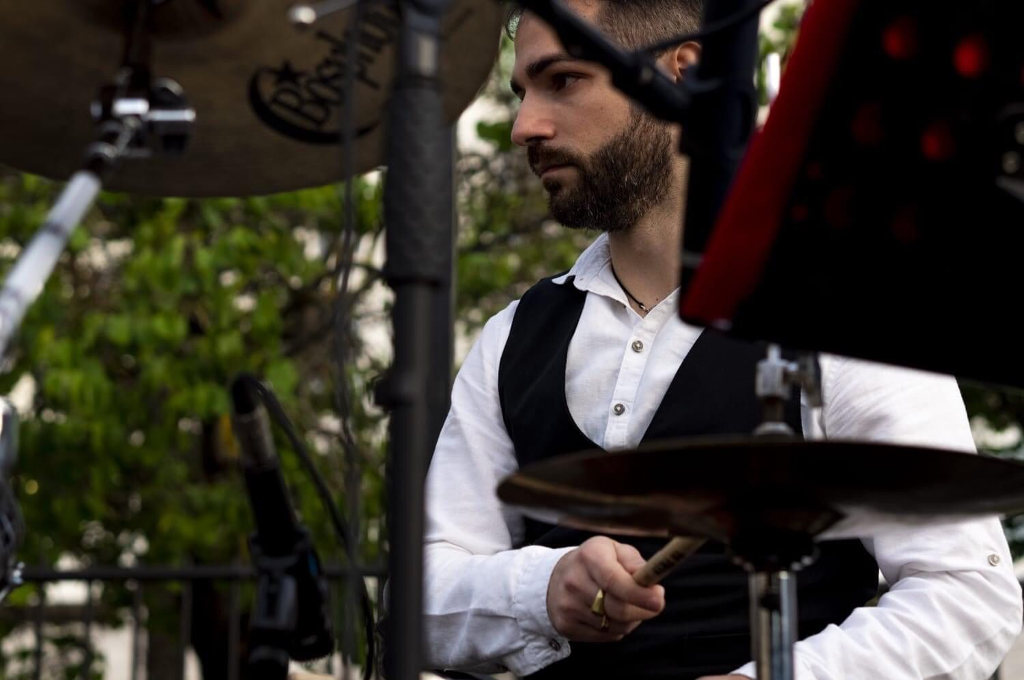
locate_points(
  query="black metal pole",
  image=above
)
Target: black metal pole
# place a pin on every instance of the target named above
(443, 319)
(718, 123)
(417, 213)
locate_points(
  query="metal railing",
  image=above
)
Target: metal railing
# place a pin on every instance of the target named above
(343, 594)
(135, 579)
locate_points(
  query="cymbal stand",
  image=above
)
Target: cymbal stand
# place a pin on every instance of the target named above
(772, 556)
(776, 377)
(135, 118)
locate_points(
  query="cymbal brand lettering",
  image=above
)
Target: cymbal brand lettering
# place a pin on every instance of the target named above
(308, 105)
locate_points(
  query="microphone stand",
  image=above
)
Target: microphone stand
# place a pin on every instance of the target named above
(418, 215)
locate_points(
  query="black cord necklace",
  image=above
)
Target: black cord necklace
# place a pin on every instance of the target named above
(643, 308)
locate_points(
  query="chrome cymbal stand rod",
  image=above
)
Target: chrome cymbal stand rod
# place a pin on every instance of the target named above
(772, 558)
(773, 615)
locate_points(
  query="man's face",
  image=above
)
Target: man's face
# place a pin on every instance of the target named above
(604, 162)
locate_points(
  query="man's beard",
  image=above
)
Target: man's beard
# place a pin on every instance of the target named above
(618, 184)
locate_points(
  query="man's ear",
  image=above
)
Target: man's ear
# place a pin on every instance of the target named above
(678, 59)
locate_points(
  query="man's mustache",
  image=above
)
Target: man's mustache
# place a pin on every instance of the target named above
(542, 157)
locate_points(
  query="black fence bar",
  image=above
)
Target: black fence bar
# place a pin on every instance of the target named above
(228, 572)
(186, 621)
(38, 629)
(136, 628)
(87, 661)
(234, 629)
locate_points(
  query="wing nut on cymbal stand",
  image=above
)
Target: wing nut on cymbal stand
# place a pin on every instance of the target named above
(776, 378)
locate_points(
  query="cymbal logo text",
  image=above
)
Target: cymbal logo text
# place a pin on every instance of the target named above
(308, 105)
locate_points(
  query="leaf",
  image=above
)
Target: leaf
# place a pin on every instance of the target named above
(497, 133)
(282, 376)
(118, 329)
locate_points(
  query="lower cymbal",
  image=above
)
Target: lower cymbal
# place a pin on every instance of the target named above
(717, 488)
(268, 113)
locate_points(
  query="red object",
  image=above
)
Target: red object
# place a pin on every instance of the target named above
(866, 126)
(738, 247)
(937, 142)
(899, 39)
(904, 225)
(971, 57)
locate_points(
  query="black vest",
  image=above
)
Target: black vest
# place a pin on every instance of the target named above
(704, 629)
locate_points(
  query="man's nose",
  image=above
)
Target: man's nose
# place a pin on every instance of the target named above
(532, 123)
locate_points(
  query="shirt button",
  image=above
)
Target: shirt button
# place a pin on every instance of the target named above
(618, 409)
(993, 559)
(637, 346)
(555, 644)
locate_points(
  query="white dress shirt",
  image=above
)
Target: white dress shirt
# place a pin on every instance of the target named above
(954, 605)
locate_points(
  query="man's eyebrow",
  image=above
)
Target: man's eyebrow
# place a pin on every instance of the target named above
(538, 67)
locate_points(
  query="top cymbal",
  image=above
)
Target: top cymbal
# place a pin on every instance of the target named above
(268, 114)
(717, 488)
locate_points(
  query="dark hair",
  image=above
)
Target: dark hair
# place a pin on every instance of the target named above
(636, 23)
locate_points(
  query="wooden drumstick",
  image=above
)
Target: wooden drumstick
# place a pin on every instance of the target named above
(667, 559)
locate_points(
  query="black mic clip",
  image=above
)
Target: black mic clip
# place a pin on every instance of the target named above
(290, 619)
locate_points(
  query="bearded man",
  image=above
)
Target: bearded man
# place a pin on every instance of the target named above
(597, 357)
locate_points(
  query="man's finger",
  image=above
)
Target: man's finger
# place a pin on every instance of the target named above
(629, 557)
(619, 583)
(625, 611)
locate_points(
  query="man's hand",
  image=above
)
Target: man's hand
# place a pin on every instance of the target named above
(724, 677)
(600, 563)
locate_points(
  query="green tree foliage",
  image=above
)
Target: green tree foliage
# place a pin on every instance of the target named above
(126, 455)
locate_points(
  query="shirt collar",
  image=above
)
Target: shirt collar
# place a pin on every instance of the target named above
(592, 271)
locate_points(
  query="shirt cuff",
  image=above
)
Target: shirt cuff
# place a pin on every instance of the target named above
(544, 645)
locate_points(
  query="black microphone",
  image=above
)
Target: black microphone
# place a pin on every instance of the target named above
(290, 618)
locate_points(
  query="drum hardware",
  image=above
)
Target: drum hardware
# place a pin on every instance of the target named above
(263, 90)
(775, 379)
(135, 117)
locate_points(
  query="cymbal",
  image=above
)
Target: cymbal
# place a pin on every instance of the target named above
(268, 114)
(718, 488)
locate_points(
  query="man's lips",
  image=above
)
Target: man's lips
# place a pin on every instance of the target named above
(552, 168)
